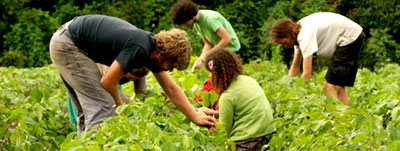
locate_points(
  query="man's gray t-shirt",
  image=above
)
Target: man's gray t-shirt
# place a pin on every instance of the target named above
(106, 38)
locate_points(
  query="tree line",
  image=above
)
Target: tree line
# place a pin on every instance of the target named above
(26, 26)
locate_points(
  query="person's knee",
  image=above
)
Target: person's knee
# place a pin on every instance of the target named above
(328, 87)
(339, 89)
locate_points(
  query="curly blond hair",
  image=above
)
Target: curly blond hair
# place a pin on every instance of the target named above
(174, 47)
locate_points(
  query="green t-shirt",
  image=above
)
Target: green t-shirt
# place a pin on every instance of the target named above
(244, 110)
(209, 22)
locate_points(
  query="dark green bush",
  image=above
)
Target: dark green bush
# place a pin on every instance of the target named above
(380, 49)
(381, 24)
(26, 26)
(25, 45)
(246, 17)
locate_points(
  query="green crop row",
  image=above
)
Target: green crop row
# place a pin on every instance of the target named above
(34, 113)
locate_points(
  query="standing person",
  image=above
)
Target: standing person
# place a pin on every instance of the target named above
(330, 36)
(215, 31)
(244, 110)
(79, 44)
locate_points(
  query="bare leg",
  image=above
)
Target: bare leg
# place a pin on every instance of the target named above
(342, 95)
(330, 90)
(336, 91)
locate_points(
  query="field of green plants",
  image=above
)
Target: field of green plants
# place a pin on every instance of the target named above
(34, 113)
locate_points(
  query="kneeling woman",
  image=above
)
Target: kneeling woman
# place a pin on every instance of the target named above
(244, 109)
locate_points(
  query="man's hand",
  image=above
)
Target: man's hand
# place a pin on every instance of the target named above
(206, 121)
(209, 111)
(293, 71)
(178, 97)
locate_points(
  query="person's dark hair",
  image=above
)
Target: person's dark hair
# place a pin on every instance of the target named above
(285, 28)
(225, 66)
(183, 11)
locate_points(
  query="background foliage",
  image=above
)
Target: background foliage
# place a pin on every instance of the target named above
(26, 26)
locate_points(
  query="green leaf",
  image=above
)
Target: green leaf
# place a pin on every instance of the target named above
(189, 81)
(213, 98)
(121, 108)
(187, 142)
(36, 95)
(169, 146)
(358, 138)
(205, 96)
(59, 139)
(37, 146)
(395, 113)
(136, 147)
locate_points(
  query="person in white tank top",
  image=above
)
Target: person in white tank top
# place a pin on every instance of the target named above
(326, 35)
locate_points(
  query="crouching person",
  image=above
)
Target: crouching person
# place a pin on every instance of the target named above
(244, 110)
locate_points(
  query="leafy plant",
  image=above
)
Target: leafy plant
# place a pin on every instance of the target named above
(34, 113)
(208, 98)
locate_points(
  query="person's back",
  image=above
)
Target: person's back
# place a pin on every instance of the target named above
(330, 36)
(104, 37)
(94, 95)
(215, 31)
(208, 24)
(322, 32)
(244, 110)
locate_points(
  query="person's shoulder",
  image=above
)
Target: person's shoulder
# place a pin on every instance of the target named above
(226, 95)
(210, 14)
(99, 17)
(138, 34)
(240, 81)
(246, 78)
(139, 37)
(321, 16)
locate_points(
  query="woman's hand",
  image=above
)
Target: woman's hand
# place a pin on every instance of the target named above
(197, 64)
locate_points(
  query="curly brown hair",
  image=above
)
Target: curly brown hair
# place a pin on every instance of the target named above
(226, 67)
(174, 47)
(183, 11)
(285, 28)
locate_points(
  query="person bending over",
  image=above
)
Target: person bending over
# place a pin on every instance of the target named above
(326, 35)
(79, 44)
